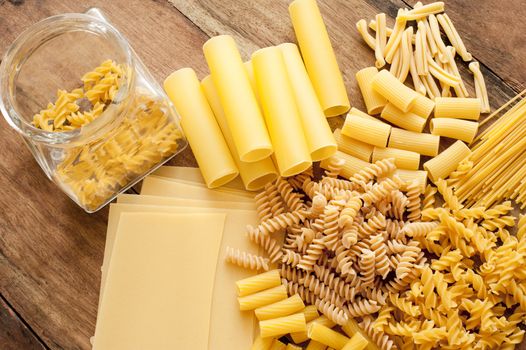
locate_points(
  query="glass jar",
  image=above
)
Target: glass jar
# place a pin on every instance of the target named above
(100, 135)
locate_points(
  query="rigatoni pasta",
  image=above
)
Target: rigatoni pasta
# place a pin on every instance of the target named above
(425, 144)
(353, 147)
(446, 162)
(327, 336)
(373, 100)
(283, 325)
(423, 106)
(455, 107)
(265, 297)
(373, 132)
(281, 308)
(257, 283)
(459, 129)
(394, 91)
(405, 120)
(403, 159)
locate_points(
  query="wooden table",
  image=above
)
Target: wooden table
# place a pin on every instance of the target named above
(51, 251)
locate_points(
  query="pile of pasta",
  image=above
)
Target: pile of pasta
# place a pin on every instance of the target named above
(379, 257)
(100, 87)
(430, 60)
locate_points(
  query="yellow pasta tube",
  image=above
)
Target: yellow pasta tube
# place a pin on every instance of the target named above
(300, 337)
(310, 312)
(327, 336)
(408, 176)
(454, 128)
(424, 11)
(281, 308)
(357, 112)
(319, 57)
(425, 144)
(456, 107)
(361, 26)
(351, 166)
(351, 328)
(265, 297)
(255, 175)
(257, 283)
(237, 98)
(353, 147)
(262, 343)
(317, 131)
(357, 342)
(283, 325)
(423, 106)
(446, 162)
(380, 40)
(373, 100)
(373, 132)
(314, 345)
(403, 159)
(277, 345)
(293, 347)
(407, 120)
(281, 113)
(201, 129)
(394, 91)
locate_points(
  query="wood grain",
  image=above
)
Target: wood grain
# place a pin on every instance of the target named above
(14, 334)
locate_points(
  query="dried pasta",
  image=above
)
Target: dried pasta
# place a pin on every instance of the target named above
(327, 336)
(464, 130)
(265, 297)
(373, 100)
(246, 260)
(425, 144)
(352, 147)
(394, 91)
(373, 132)
(405, 120)
(282, 325)
(402, 159)
(454, 107)
(257, 283)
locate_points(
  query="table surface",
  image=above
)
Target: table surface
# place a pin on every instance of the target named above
(51, 250)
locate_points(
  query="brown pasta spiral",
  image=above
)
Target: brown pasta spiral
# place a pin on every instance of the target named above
(362, 307)
(246, 260)
(269, 244)
(333, 313)
(414, 190)
(280, 222)
(292, 199)
(314, 251)
(379, 169)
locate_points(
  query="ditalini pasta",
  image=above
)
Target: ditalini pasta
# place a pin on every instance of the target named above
(370, 131)
(455, 107)
(353, 147)
(281, 113)
(446, 162)
(319, 57)
(403, 159)
(405, 120)
(282, 308)
(394, 91)
(425, 144)
(373, 100)
(351, 166)
(317, 131)
(201, 129)
(265, 297)
(423, 106)
(327, 336)
(254, 175)
(257, 283)
(238, 99)
(283, 325)
(454, 128)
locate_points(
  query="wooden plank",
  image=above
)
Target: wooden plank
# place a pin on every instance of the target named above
(493, 33)
(14, 334)
(50, 250)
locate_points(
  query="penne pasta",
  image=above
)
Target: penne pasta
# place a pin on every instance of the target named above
(353, 147)
(361, 26)
(381, 38)
(403, 159)
(456, 107)
(394, 91)
(446, 162)
(369, 131)
(351, 166)
(408, 176)
(424, 11)
(454, 128)
(423, 107)
(425, 144)
(373, 100)
(407, 120)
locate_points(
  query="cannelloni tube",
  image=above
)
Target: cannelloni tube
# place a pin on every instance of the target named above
(319, 57)
(255, 175)
(281, 113)
(237, 98)
(201, 129)
(317, 131)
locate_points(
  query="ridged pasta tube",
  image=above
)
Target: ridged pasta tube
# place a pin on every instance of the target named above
(353, 147)
(457, 107)
(327, 336)
(394, 91)
(283, 325)
(281, 308)
(425, 144)
(369, 131)
(265, 297)
(402, 159)
(446, 162)
(454, 128)
(373, 100)
(257, 283)
(405, 120)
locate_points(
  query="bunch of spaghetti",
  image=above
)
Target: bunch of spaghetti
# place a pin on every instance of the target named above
(376, 257)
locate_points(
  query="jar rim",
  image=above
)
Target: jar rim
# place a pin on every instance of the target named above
(29, 39)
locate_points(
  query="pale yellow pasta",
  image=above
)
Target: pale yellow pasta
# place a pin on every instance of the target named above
(266, 297)
(446, 162)
(421, 50)
(394, 91)
(405, 120)
(380, 40)
(373, 132)
(425, 144)
(257, 283)
(327, 336)
(395, 38)
(314, 345)
(361, 25)
(300, 337)
(461, 90)
(283, 325)
(262, 343)
(406, 54)
(403, 159)
(353, 147)
(373, 100)
(456, 107)
(441, 74)
(388, 30)
(311, 313)
(431, 86)
(424, 11)
(417, 81)
(352, 164)
(293, 347)
(480, 87)
(459, 129)
(277, 345)
(281, 308)
(423, 106)
(357, 342)
(408, 176)
(359, 113)
(454, 37)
